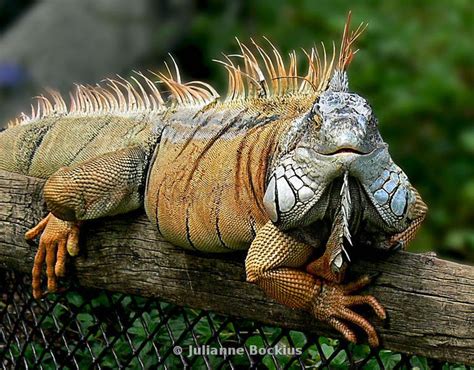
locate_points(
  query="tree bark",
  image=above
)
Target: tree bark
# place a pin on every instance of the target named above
(430, 301)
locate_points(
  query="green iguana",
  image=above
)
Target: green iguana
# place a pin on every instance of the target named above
(289, 166)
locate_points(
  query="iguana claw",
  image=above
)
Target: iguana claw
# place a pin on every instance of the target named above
(331, 305)
(57, 238)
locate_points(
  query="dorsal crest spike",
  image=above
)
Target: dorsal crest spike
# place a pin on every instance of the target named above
(346, 52)
(339, 80)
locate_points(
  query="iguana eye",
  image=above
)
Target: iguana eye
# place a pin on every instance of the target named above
(317, 120)
(315, 108)
(315, 115)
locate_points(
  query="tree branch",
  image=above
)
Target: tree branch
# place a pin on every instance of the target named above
(430, 301)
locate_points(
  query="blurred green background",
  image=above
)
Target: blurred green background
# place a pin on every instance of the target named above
(415, 66)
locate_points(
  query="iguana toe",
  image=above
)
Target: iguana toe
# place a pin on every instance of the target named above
(332, 304)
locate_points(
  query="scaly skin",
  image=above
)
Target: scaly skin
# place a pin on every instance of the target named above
(38, 149)
(284, 167)
(273, 262)
(206, 193)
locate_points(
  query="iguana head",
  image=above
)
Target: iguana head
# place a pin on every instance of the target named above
(341, 121)
(339, 137)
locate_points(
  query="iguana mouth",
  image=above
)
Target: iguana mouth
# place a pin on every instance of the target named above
(346, 150)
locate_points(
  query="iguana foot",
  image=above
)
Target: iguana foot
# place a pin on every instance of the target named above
(57, 237)
(332, 302)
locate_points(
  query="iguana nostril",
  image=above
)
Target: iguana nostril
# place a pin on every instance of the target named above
(346, 140)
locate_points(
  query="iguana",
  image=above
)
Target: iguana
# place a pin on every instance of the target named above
(290, 166)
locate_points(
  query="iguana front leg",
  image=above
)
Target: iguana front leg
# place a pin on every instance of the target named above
(104, 186)
(276, 262)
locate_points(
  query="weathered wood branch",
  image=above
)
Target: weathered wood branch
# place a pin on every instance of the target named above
(430, 301)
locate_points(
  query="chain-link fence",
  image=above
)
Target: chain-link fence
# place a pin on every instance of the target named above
(85, 328)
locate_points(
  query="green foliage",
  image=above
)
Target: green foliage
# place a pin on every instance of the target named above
(415, 65)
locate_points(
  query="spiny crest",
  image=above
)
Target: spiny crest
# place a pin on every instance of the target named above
(267, 75)
(261, 75)
(122, 97)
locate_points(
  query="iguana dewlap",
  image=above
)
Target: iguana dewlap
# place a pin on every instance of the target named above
(289, 166)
